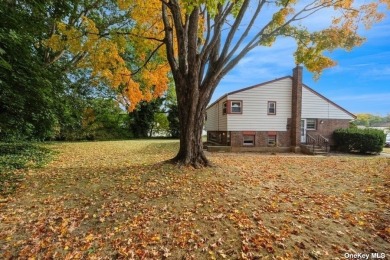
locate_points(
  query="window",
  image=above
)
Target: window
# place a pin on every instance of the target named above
(224, 107)
(311, 124)
(249, 140)
(212, 136)
(236, 107)
(271, 107)
(271, 141)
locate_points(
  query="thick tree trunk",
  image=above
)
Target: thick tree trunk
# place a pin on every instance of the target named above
(191, 115)
(187, 71)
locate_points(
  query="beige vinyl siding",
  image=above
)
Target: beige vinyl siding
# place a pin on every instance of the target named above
(216, 121)
(254, 115)
(211, 123)
(314, 106)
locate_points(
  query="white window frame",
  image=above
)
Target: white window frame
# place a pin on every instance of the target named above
(271, 140)
(273, 103)
(240, 106)
(312, 120)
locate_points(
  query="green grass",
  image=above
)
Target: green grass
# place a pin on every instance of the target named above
(14, 158)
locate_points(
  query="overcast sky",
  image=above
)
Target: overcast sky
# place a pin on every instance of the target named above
(360, 82)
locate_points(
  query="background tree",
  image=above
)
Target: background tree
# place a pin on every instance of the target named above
(100, 36)
(205, 39)
(160, 125)
(173, 120)
(142, 119)
(172, 111)
(73, 48)
(28, 89)
(370, 120)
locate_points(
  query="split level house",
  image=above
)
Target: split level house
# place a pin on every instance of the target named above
(279, 115)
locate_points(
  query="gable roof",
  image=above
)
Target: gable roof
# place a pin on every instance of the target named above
(278, 79)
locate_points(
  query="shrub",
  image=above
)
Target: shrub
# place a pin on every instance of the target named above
(359, 140)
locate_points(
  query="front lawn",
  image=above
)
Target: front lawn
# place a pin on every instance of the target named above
(118, 200)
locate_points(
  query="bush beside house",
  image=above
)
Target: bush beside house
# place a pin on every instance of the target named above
(359, 140)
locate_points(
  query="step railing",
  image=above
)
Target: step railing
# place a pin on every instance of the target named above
(310, 140)
(317, 140)
(323, 142)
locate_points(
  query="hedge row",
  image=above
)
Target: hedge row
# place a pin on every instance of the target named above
(359, 140)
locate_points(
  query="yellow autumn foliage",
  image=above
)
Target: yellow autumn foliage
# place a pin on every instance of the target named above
(103, 53)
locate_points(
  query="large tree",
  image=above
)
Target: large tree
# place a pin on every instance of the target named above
(205, 39)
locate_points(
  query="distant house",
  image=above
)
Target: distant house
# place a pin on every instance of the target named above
(278, 115)
(385, 127)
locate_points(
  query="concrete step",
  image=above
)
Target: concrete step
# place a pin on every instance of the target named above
(320, 153)
(317, 150)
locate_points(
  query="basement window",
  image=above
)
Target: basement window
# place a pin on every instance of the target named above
(249, 140)
(271, 140)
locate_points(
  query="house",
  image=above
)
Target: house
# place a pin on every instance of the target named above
(385, 127)
(278, 115)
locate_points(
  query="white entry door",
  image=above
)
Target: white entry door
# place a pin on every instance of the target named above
(303, 131)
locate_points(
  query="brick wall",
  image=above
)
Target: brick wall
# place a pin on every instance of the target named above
(236, 138)
(327, 127)
(261, 138)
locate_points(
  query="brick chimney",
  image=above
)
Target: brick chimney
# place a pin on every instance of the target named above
(296, 108)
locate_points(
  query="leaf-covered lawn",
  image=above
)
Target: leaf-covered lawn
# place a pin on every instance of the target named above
(118, 200)
(14, 158)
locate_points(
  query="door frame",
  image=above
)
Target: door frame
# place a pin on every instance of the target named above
(303, 130)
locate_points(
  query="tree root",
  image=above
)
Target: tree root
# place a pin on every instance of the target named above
(197, 163)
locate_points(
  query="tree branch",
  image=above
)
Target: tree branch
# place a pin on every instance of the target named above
(246, 32)
(260, 35)
(169, 40)
(234, 28)
(216, 27)
(148, 59)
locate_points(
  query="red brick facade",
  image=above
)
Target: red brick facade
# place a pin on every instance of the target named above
(260, 138)
(326, 127)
